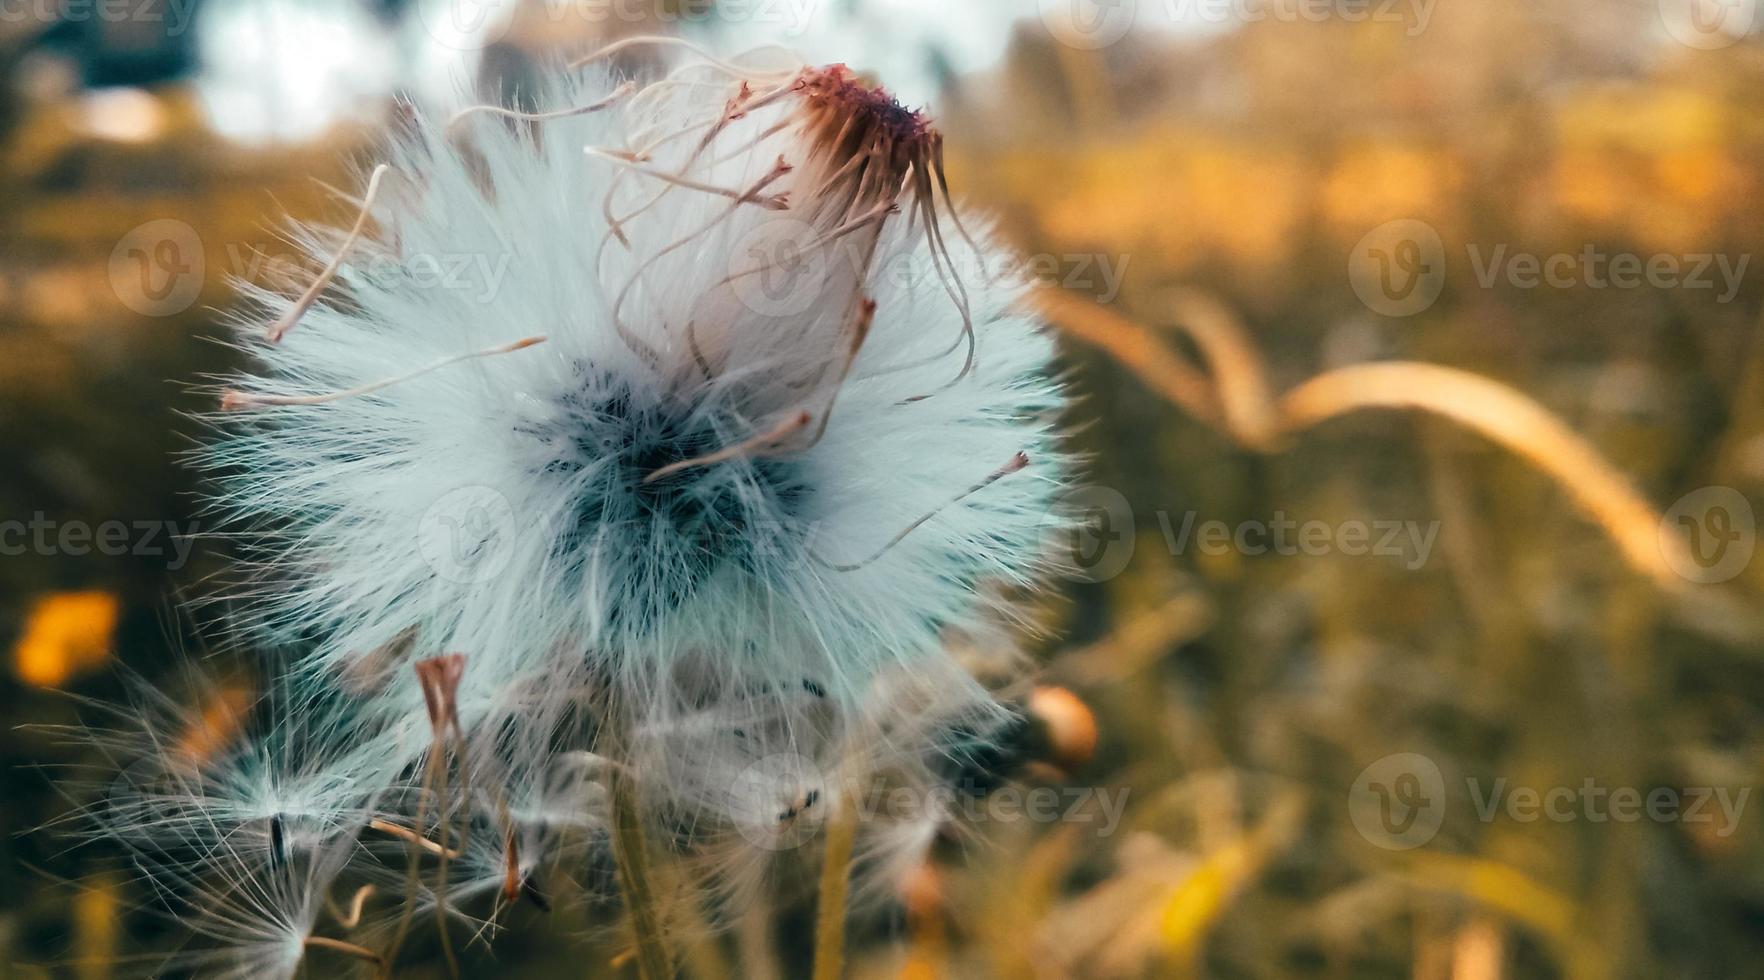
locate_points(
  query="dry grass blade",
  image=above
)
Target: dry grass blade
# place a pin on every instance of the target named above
(1509, 891)
(347, 949)
(1239, 378)
(1136, 348)
(1138, 643)
(835, 882)
(1237, 403)
(1510, 419)
(1192, 908)
(631, 855)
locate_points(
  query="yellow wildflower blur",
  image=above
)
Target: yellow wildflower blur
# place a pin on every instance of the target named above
(67, 633)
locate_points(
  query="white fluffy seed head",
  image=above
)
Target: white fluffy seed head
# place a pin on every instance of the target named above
(756, 384)
(783, 435)
(238, 814)
(249, 920)
(785, 422)
(264, 777)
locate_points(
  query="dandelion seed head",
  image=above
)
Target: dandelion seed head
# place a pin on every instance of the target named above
(658, 438)
(610, 496)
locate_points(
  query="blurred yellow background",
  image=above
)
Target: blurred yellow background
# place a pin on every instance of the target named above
(1563, 197)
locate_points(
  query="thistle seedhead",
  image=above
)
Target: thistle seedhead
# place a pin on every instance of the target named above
(751, 435)
(694, 479)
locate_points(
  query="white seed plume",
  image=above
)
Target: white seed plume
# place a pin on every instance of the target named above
(263, 778)
(659, 432)
(710, 374)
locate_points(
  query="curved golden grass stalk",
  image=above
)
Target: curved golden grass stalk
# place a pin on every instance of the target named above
(1241, 380)
(1508, 418)
(1136, 348)
(1236, 401)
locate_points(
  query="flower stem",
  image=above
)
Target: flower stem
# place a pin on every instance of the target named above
(346, 948)
(630, 853)
(835, 880)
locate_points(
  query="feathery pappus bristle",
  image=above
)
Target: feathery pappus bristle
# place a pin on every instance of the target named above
(643, 543)
(789, 436)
